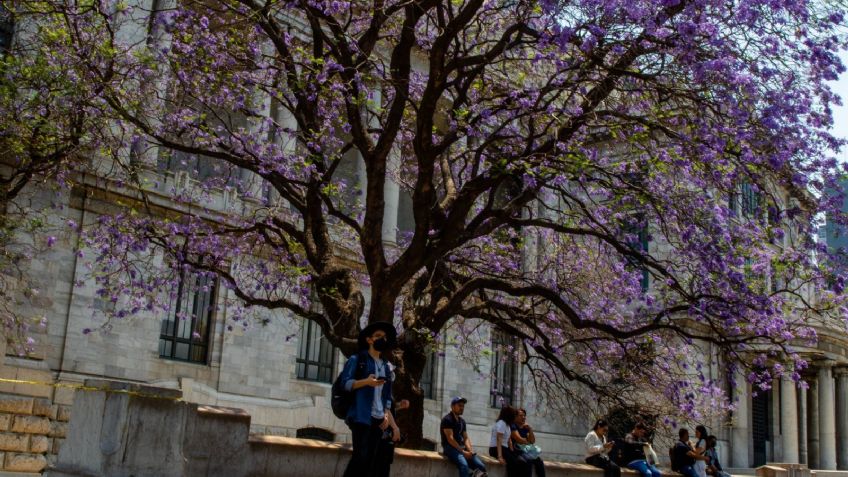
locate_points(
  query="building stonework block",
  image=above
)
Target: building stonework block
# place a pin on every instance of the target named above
(14, 442)
(64, 396)
(57, 444)
(31, 424)
(24, 462)
(42, 407)
(64, 414)
(39, 444)
(5, 421)
(16, 404)
(58, 429)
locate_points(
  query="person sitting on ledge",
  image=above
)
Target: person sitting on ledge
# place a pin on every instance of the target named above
(598, 448)
(634, 452)
(456, 444)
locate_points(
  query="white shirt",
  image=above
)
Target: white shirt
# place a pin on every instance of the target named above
(500, 428)
(595, 444)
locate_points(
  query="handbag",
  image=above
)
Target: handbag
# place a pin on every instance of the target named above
(529, 451)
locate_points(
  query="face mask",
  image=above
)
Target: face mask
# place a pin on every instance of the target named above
(381, 344)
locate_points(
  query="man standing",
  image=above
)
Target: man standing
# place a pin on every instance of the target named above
(370, 413)
(457, 445)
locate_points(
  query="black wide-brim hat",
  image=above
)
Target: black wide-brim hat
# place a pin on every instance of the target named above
(388, 328)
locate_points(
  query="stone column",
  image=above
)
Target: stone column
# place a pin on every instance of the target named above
(842, 417)
(391, 197)
(802, 426)
(789, 421)
(813, 423)
(827, 418)
(740, 433)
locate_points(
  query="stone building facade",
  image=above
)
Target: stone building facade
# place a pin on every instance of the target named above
(280, 370)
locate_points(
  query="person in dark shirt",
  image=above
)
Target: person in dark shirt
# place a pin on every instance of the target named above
(634, 452)
(522, 435)
(684, 455)
(457, 445)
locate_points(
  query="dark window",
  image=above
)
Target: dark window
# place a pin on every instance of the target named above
(316, 357)
(7, 29)
(750, 200)
(503, 369)
(428, 378)
(761, 427)
(185, 331)
(733, 202)
(201, 168)
(315, 433)
(636, 237)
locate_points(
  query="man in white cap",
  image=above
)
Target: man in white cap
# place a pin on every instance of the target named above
(457, 445)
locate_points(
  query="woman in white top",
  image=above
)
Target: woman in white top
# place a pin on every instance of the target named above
(501, 448)
(700, 448)
(597, 449)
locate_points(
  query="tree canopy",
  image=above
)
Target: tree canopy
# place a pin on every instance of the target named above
(613, 182)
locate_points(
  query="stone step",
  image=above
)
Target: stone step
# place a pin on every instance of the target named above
(4, 473)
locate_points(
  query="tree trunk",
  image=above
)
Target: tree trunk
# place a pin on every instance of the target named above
(410, 358)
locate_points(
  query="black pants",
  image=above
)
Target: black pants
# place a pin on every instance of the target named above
(385, 457)
(515, 465)
(538, 465)
(610, 467)
(366, 444)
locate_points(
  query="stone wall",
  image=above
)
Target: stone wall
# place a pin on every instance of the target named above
(33, 422)
(131, 430)
(30, 429)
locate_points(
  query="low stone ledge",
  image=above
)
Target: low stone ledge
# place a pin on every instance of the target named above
(420, 463)
(223, 412)
(133, 388)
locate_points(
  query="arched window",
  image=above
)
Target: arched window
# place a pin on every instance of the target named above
(315, 433)
(428, 445)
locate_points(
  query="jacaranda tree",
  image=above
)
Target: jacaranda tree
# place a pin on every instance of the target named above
(613, 182)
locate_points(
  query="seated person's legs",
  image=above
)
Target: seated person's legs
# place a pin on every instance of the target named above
(655, 471)
(688, 471)
(640, 466)
(459, 460)
(476, 463)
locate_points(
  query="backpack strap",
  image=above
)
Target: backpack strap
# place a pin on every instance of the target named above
(361, 370)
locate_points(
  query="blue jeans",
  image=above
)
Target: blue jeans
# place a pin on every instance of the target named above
(644, 468)
(688, 471)
(465, 466)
